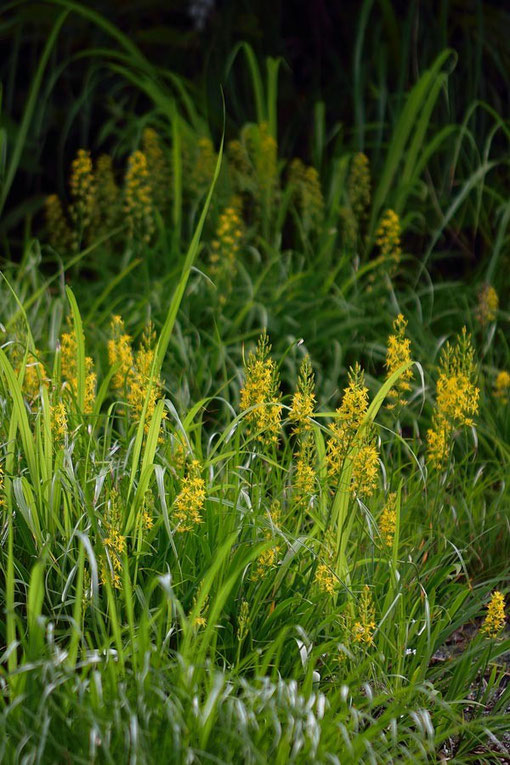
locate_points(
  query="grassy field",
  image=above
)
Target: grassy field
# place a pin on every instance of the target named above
(254, 430)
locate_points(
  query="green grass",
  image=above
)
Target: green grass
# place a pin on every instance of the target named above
(124, 638)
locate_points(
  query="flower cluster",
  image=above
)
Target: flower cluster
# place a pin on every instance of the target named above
(388, 520)
(502, 386)
(495, 619)
(158, 168)
(358, 186)
(83, 192)
(69, 368)
(140, 378)
(268, 558)
(456, 397)
(398, 353)
(226, 245)
(364, 625)
(388, 236)
(306, 185)
(138, 202)
(190, 501)
(114, 542)
(326, 579)
(352, 439)
(488, 304)
(260, 395)
(59, 233)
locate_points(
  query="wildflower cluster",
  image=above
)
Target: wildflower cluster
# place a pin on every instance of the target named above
(69, 368)
(260, 395)
(114, 542)
(398, 353)
(226, 245)
(388, 520)
(456, 397)
(305, 183)
(352, 439)
(141, 380)
(120, 354)
(388, 237)
(326, 579)
(364, 625)
(495, 620)
(190, 501)
(83, 193)
(358, 186)
(488, 304)
(502, 386)
(107, 196)
(268, 558)
(138, 202)
(59, 232)
(157, 167)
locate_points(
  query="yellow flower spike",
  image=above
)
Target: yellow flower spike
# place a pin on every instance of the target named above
(59, 421)
(138, 202)
(120, 352)
(364, 626)
(365, 470)
(388, 520)
(190, 501)
(398, 353)
(502, 387)
(388, 236)
(488, 304)
(139, 378)
(457, 397)
(261, 390)
(305, 473)
(157, 165)
(83, 193)
(495, 620)
(303, 400)
(226, 246)
(60, 235)
(114, 542)
(326, 579)
(358, 186)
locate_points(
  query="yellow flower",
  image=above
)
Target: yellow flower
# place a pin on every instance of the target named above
(326, 579)
(114, 542)
(190, 501)
(494, 622)
(83, 193)
(59, 421)
(347, 435)
(358, 185)
(304, 481)
(60, 235)
(306, 184)
(140, 378)
(226, 245)
(268, 558)
(364, 626)
(157, 166)
(303, 401)
(121, 353)
(502, 386)
(488, 304)
(398, 353)
(456, 397)
(388, 520)
(138, 202)
(388, 236)
(261, 391)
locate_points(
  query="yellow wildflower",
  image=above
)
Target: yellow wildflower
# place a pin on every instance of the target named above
(190, 501)
(304, 481)
(303, 401)
(121, 353)
(157, 165)
(138, 202)
(365, 469)
(83, 193)
(398, 353)
(226, 245)
(358, 185)
(456, 397)
(114, 542)
(140, 378)
(261, 391)
(388, 236)
(60, 235)
(502, 386)
(326, 579)
(388, 520)
(364, 626)
(268, 558)
(68, 351)
(200, 620)
(495, 621)
(488, 304)
(59, 421)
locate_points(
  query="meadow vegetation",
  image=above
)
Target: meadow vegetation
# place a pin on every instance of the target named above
(254, 434)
